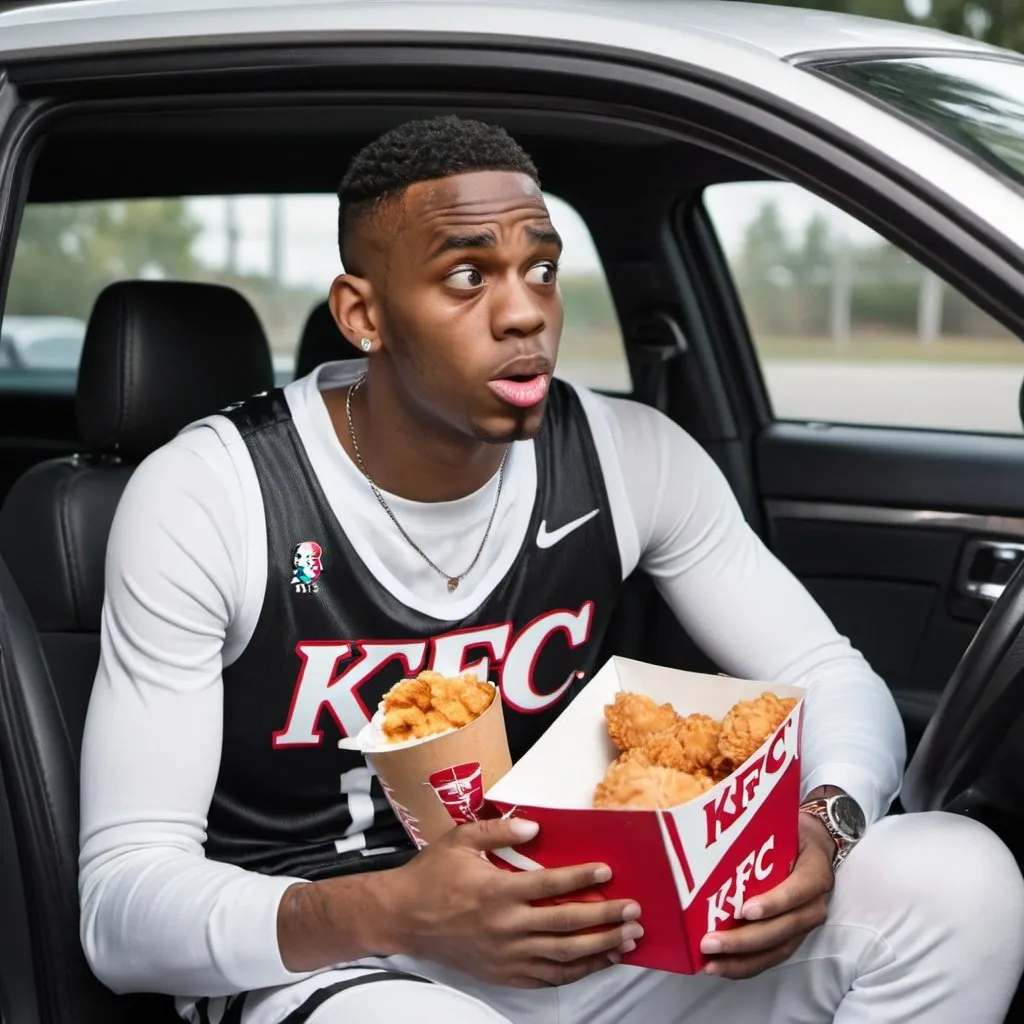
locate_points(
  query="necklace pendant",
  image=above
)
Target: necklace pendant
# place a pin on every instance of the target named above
(453, 583)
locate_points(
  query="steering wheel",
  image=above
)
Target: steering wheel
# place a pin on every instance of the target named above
(983, 701)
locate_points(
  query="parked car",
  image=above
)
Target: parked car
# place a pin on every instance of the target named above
(41, 342)
(648, 119)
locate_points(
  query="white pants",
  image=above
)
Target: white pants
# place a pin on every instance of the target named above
(926, 926)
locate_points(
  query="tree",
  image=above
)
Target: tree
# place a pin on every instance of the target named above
(812, 266)
(66, 254)
(995, 21)
(1000, 22)
(764, 274)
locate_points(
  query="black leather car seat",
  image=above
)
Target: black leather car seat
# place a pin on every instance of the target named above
(321, 342)
(157, 356)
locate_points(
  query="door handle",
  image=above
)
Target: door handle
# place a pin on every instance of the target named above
(986, 568)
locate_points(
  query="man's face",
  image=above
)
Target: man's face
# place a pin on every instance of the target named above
(470, 312)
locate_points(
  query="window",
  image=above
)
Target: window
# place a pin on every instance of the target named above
(849, 329)
(975, 102)
(280, 252)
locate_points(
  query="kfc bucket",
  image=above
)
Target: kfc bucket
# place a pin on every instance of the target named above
(438, 781)
(690, 867)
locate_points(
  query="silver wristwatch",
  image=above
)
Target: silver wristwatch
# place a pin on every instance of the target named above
(843, 818)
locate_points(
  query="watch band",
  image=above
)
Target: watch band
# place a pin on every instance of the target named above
(820, 808)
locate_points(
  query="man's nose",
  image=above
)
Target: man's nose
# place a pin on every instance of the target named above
(517, 311)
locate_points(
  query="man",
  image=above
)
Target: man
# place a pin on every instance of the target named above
(466, 508)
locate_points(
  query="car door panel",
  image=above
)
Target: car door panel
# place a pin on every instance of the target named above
(880, 526)
(914, 469)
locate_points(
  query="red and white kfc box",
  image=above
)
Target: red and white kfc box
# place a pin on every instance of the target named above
(690, 867)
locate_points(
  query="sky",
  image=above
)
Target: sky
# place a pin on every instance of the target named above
(310, 255)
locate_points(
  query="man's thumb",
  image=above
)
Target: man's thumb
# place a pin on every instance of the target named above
(494, 833)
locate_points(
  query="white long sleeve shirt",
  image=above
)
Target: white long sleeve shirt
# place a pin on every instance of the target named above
(186, 574)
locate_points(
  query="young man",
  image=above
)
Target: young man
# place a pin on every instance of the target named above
(444, 503)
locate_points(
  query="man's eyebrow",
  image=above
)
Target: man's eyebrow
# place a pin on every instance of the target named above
(483, 240)
(544, 236)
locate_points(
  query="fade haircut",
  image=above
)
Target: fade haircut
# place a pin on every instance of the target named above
(421, 151)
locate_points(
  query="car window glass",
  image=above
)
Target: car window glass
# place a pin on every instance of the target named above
(280, 252)
(849, 329)
(975, 102)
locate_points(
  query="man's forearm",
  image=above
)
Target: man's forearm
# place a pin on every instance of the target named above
(338, 920)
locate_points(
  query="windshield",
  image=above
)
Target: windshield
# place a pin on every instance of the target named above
(975, 102)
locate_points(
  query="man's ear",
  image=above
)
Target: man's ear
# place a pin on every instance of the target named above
(352, 305)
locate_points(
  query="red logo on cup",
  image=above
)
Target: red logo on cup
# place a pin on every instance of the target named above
(461, 789)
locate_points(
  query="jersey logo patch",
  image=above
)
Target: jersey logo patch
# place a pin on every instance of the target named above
(549, 540)
(307, 565)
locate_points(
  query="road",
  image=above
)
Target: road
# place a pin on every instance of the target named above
(948, 396)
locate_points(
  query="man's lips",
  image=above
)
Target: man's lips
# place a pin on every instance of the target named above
(524, 393)
(523, 381)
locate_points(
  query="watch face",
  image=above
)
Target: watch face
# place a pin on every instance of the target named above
(848, 817)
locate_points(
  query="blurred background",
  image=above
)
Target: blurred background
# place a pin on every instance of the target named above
(846, 325)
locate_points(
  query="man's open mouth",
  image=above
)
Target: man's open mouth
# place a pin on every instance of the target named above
(521, 390)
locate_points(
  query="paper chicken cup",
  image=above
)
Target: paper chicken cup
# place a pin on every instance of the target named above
(437, 782)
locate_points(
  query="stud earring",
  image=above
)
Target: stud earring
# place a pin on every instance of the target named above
(366, 344)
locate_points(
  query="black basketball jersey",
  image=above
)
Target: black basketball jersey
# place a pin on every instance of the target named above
(331, 640)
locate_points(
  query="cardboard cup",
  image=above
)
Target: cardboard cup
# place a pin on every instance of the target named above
(438, 782)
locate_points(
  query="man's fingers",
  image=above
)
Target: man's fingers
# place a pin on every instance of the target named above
(564, 949)
(492, 833)
(763, 936)
(739, 967)
(812, 877)
(572, 916)
(553, 882)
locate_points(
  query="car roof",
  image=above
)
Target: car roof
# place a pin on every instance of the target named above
(89, 26)
(751, 45)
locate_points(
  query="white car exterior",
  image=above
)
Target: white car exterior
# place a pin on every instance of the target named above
(756, 48)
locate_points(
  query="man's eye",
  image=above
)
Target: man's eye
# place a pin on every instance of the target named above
(466, 278)
(542, 273)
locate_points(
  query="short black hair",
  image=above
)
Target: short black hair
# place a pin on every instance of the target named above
(423, 151)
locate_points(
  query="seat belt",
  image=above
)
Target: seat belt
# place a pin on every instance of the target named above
(656, 344)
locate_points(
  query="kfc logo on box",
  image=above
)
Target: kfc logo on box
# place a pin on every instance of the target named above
(690, 867)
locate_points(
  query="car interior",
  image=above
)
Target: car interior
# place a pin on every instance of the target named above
(160, 354)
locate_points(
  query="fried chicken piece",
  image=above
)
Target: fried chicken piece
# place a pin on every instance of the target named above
(634, 718)
(749, 723)
(433, 703)
(635, 754)
(629, 782)
(459, 700)
(720, 768)
(437, 721)
(477, 697)
(409, 693)
(691, 745)
(698, 735)
(404, 723)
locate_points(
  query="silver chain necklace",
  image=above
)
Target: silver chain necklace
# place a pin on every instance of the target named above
(453, 581)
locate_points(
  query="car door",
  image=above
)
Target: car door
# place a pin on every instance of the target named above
(889, 456)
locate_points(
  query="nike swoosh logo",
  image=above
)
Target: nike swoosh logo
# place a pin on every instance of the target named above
(549, 540)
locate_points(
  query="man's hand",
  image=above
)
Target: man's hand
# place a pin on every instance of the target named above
(449, 904)
(778, 920)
